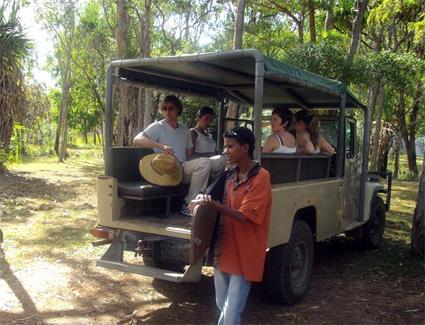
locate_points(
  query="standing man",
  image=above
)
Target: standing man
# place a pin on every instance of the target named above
(171, 137)
(241, 238)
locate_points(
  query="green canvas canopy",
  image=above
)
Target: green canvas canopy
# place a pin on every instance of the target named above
(232, 74)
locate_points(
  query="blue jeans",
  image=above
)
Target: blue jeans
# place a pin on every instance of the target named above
(231, 292)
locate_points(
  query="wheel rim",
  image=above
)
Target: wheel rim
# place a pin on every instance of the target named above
(298, 264)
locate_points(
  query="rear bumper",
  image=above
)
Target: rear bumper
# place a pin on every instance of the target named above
(192, 274)
(113, 259)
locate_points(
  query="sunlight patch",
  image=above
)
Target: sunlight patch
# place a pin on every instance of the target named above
(40, 284)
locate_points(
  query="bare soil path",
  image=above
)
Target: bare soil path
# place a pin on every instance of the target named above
(48, 273)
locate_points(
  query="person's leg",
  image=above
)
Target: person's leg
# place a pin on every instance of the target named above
(221, 284)
(196, 172)
(237, 295)
(218, 163)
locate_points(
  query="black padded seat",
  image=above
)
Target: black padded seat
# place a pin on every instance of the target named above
(148, 191)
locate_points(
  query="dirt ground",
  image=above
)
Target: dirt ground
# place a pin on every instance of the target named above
(48, 273)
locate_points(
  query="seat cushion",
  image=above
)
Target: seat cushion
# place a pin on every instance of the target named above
(145, 190)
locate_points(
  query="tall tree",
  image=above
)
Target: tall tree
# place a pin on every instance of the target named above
(14, 48)
(122, 91)
(357, 28)
(311, 21)
(145, 109)
(418, 225)
(59, 17)
(233, 109)
(240, 16)
(396, 26)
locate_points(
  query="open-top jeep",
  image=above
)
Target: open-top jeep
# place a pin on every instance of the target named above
(315, 197)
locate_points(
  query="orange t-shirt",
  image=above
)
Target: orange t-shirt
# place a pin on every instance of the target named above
(243, 244)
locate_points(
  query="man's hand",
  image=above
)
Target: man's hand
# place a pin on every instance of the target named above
(201, 199)
(167, 150)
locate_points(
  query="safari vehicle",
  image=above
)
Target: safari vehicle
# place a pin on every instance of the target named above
(315, 197)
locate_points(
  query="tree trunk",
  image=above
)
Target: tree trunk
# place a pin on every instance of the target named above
(58, 131)
(237, 39)
(311, 21)
(378, 124)
(411, 152)
(146, 112)
(397, 160)
(122, 90)
(418, 226)
(132, 113)
(232, 110)
(411, 157)
(373, 95)
(356, 31)
(300, 29)
(149, 113)
(65, 104)
(408, 131)
(329, 16)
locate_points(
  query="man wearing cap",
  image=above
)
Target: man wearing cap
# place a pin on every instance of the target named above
(172, 138)
(241, 237)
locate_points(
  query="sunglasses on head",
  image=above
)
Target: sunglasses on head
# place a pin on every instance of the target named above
(232, 133)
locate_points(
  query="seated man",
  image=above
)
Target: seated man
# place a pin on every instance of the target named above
(170, 137)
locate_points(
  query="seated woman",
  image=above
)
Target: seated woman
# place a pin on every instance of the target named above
(203, 143)
(309, 140)
(281, 141)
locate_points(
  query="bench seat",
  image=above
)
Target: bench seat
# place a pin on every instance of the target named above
(147, 191)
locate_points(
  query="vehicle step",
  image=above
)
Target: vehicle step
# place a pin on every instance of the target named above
(190, 275)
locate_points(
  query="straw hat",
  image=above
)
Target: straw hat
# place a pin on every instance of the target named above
(161, 169)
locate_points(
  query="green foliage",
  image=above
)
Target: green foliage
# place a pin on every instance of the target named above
(15, 47)
(323, 58)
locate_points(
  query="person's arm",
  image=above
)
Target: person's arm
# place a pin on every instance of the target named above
(193, 137)
(205, 199)
(326, 147)
(270, 145)
(143, 141)
(304, 144)
(189, 146)
(254, 203)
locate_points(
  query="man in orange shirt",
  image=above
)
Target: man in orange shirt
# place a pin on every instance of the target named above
(241, 239)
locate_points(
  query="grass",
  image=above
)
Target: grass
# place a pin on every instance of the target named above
(394, 259)
(404, 173)
(49, 207)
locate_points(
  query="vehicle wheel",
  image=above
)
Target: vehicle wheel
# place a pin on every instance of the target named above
(373, 230)
(289, 266)
(154, 259)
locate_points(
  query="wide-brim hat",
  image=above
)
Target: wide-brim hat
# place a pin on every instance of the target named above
(161, 169)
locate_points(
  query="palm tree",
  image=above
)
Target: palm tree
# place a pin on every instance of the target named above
(14, 48)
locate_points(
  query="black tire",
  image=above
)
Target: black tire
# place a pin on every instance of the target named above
(289, 266)
(372, 234)
(154, 259)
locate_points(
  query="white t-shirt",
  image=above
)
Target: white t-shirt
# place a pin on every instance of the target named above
(204, 143)
(177, 138)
